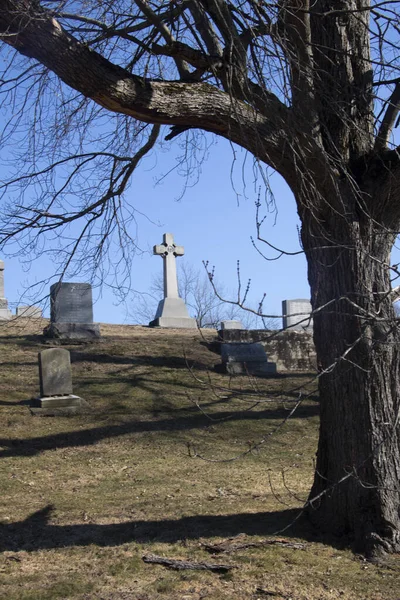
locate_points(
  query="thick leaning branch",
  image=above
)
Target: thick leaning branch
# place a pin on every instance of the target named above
(34, 33)
(389, 120)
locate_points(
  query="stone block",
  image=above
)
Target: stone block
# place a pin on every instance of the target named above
(231, 325)
(32, 312)
(258, 368)
(174, 322)
(57, 401)
(296, 314)
(290, 350)
(172, 312)
(73, 331)
(5, 314)
(59, 406)
(246, 359)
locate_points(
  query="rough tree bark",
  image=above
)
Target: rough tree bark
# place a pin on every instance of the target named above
(346, 184)
(357, 343)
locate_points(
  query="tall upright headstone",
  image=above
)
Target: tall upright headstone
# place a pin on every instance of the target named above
(5, 313)
(296, 315)
(172, 311)
(71, 312)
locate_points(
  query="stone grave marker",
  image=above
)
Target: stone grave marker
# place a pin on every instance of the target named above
(172, 311)
(5, 313)
(55, 378)
(71, 312)
(296, 314)
(31, 312)
(231, 325)
(246, 359)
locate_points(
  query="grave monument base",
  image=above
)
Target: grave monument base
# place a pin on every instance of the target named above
(58, 405)
(251, 368)
(5, 314)
(172, 312)
(29, 312)
(73, 331)
(174, 322)
(246, 359)
(231, 325)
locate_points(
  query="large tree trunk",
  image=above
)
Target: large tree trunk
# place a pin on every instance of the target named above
(357, 477)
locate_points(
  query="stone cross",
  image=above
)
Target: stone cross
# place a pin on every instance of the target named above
(169, 251)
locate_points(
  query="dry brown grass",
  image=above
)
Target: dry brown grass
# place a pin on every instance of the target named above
(84, 497)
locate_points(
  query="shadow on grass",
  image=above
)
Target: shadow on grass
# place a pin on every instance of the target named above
(88, 437)
(176, 362)
(27, 341)
(16, 403)
(35, 532)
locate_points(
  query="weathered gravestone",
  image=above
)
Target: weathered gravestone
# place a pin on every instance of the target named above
(171, 311)
(246, 359)
(71, 312)
(55, 378)
(297, 315)
(31, 312)
(5, 313)
(231, 325)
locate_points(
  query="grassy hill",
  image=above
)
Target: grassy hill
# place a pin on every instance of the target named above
(173, 458)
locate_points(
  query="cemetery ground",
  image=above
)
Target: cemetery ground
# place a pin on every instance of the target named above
(86, 497)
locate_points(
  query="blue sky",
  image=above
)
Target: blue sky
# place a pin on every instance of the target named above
(214, 221)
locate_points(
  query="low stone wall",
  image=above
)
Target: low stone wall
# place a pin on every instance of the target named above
(291, 350)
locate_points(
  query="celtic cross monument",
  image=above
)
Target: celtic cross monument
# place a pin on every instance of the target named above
(171, 311)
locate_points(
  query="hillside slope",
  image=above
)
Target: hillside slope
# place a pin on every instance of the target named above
(171, 458)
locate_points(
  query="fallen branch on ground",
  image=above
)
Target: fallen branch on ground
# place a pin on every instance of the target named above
(172, 563)
(239, 542)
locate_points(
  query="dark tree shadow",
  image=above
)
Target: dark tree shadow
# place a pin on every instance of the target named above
(16, 403)
(88, 437)
(35, 532)
(176, 362)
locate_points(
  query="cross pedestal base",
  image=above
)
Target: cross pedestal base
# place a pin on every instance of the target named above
(172, 312)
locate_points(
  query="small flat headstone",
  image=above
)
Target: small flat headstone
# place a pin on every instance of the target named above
(56, 397)
(231, 325)
(246, 358)
(55, 372)
(32, 312)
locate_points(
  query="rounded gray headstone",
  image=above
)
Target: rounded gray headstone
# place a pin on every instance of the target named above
(55, 372)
